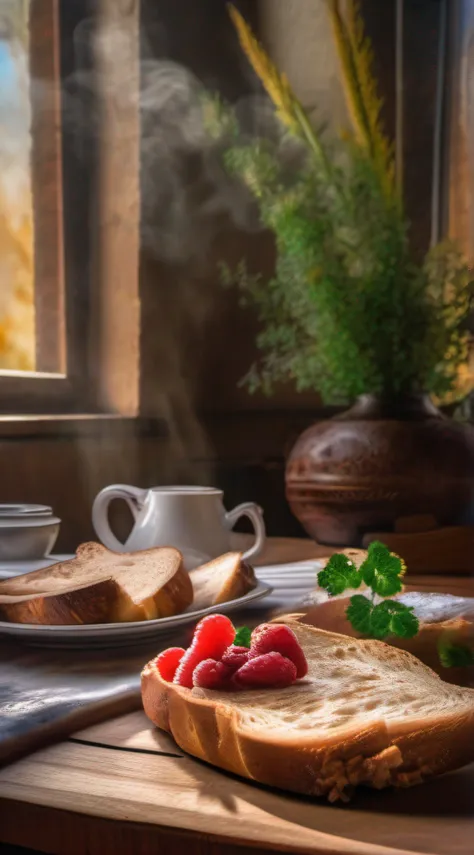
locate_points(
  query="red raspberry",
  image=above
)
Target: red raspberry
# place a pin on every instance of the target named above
(271, 670)
(210, 674)
(168, 661)
(212, 637)
(235, 656)
(274, 637)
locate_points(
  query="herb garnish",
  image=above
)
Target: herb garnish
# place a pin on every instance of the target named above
(242, 637)
(339, 574)
(382, 572)
(454, 655)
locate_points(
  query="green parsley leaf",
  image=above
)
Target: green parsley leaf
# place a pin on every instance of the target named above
(242, 637)
(359, 613)
(388, 618)
(382, 570)
(393, 618)
(454, 655)
(339, 574)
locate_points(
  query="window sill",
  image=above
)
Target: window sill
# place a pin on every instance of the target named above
(82, 425)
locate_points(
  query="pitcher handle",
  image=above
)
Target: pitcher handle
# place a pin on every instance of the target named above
(255, 515)
(133, 496)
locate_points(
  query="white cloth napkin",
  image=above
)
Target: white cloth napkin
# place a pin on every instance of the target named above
(290, 582)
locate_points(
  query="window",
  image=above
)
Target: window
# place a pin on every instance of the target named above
(64, 239)
(17, 298)
(33, 365)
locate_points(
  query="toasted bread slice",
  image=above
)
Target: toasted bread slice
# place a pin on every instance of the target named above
(91, 558)
(226, 578)
(99, 586)
(367, 713)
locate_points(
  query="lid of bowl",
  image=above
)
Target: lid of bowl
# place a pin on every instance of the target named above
(21, 511)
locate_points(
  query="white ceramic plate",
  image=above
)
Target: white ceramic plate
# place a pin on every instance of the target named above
(120, 634)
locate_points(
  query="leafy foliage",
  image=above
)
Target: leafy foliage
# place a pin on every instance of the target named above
(339, 574)
(348, 310)
(453, 655)
(387, 618)
(379, 621)
(243, 636)
(359, 612)
(381, 571)
(393, 618)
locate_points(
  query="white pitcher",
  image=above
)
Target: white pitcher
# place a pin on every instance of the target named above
(193, 519)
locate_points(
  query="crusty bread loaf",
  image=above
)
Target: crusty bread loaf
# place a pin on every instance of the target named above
(99, 586)
(223, 579)
(366, 714)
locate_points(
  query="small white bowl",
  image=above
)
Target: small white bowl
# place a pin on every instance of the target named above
(27, 532)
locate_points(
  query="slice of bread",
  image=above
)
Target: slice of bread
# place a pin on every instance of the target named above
(100, 586)
(90, 559)
(440, 616)
(226, 578)
(367, 713)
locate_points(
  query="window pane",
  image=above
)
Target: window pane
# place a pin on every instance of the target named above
(17, 312)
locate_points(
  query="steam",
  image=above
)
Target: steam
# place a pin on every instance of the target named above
(186, 195)
(187, 198)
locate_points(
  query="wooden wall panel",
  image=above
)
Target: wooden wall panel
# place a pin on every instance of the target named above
(195, 341)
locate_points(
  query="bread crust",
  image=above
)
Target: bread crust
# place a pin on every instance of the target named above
(209, 590)
(103, 601)
(239, 584)
(377, 754)
(172, 599)
(96, 603)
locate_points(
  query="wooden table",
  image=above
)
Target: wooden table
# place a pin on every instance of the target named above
(123, 787)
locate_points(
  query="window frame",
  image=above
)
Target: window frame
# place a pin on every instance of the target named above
(47, 186)
(459, 122)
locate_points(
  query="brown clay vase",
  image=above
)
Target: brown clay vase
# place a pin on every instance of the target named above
(379, 461)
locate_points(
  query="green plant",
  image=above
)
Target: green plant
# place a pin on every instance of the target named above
(348, 310)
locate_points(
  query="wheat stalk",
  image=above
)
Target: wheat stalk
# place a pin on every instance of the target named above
(364, 104)
(289, 109)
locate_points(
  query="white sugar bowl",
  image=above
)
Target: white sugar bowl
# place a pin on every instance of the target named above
(27, 532)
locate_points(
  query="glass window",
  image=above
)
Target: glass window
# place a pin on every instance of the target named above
(17, 298)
